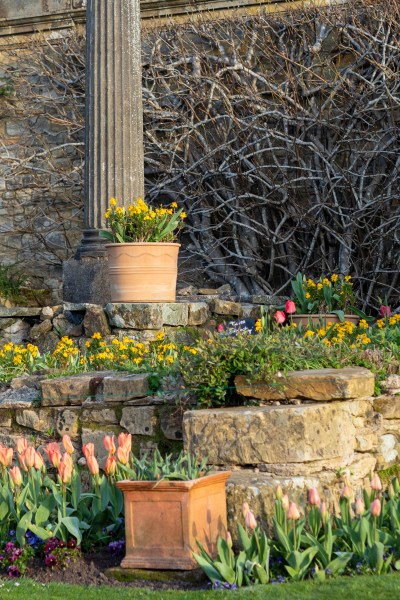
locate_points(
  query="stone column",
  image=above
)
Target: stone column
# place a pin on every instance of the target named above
(114, 164)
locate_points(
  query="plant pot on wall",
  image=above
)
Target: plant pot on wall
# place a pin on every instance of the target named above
(321, 319)
(143, 271)
(164, 519)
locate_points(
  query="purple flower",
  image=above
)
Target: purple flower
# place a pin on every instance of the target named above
(13, 571)
(10, 547)
(50, 560)
(61, 544)
(71, 543)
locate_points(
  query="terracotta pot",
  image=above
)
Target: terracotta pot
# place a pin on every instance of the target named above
(317, 319)
(143, 272)
(164, 519)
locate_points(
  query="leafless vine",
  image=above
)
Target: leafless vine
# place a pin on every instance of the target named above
(280, 134)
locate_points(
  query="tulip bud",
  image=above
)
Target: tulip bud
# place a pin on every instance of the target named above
(109, 444)
(111, 466)
(324, 512)
(346, 492)
(293, 512)
(22, 445)
(93, 465)
(6, 455)
(285, 502)
(29, 457)
(229, 539)
(38, 461)
(279, 492)
(123, 455)
(290, 307)
(375, 508)
(376, 483)
(245, 509)
(68, 447)
(65, 468)
(313, 497)
(250, 520)
(88, 450)
(53, 451)
(391, 491)
(280, 317)
(385, 311)
(16, 476)
(360, 506)
(125, 441)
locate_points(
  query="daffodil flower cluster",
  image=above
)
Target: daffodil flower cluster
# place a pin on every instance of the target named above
(140, 222)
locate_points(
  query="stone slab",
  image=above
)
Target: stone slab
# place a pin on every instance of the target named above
(175, 314)
(86, 281)
(225, 307)
(125, 387)
(199, 313)
(20, 311)
(37, 419)
(139, 420)
(388, 407)
(72, 390)
(24, 397)
(271, 434)
(320, 385)
(135, 315)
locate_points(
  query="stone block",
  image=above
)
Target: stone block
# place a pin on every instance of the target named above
(388, 407)
(366, 441)
(19, 311)
(65, 327)
(95, 412)
(30, 381)
(271, 435)
(47, 313)
(388, 451)
(225, 307)
(86, 281)
(17, 331)
(175, 314)
(319, 385)
(5, 418)
(171, 422)
(67, 422)
(361, 408)
(139, 420)
(95, 320)
(199, 313)
(24, 397)
(40, 330)
(268, 300)
(135, 316)
(124, 387)
(72, 390)
(39, 420)
(391, 384)
(250, 311)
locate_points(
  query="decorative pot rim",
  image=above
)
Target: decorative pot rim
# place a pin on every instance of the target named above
(166, 485)
(322, 315)
(142, 244)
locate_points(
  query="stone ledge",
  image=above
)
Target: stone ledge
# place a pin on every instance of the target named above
(271, 434)
(320, 385)
(72, 390)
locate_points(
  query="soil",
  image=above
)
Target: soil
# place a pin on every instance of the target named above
(89, 569)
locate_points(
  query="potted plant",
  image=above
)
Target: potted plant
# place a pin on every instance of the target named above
(318, 302)
(143, 253)
(170, 505)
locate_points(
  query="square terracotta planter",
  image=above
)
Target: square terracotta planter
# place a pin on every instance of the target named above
(164, 519)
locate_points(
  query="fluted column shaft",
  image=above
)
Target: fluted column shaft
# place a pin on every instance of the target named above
(114, 164)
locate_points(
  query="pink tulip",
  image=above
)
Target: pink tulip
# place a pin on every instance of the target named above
(290, 307)
(53, 451)
(360, 506)
(29, 457)
(250, 520)
(293, 512)
(125, 440)
(16, 476)
(111, 466)
(346, 492)
(6, 455)
(313, 497)
(285, 502)
(109, 444)
(220, 328)
(65, 468)
(68, 447)
(245, 508)
(38, 461)
(229, 539)
(21, 458)
(385, 311)
(123, 455)
(22, 445)
(375, 508)
(280, 317)
(376, 483)
(93, 465)
(88, 450)
(323, 511)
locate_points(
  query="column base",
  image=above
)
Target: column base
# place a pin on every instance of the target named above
(86, 281)
(92, 245)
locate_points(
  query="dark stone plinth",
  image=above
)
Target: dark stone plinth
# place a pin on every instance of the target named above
(86, 280)
(196, 576)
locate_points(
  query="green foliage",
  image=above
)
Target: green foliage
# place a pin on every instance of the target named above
(11, 280)
(333, 295)
(183, 467)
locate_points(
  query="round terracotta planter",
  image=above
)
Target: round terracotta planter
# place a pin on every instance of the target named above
(317, 319)
(143, 272)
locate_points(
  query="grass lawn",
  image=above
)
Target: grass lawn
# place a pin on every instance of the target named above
(385, 587)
